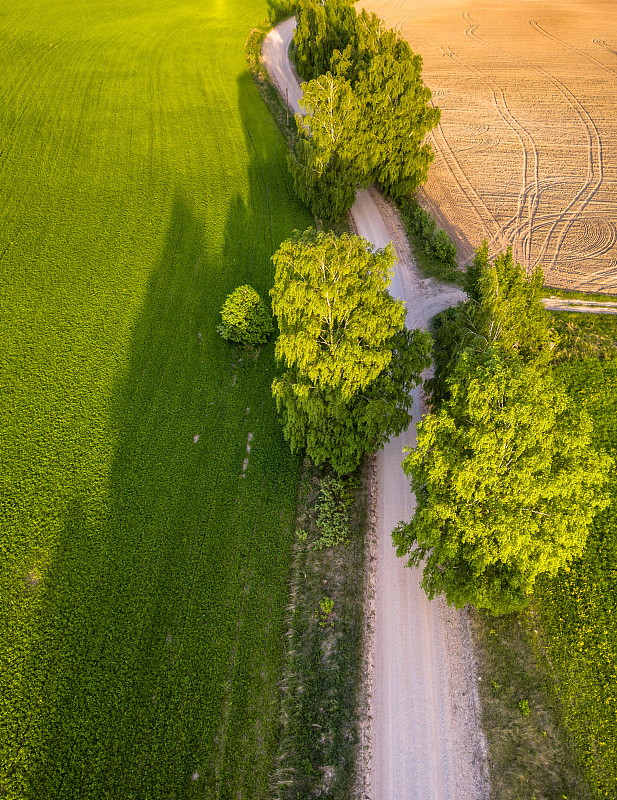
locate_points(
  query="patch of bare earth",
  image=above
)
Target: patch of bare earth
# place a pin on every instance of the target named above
(526, 151)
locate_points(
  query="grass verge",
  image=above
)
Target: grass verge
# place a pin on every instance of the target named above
(318, 753)
(530, 755)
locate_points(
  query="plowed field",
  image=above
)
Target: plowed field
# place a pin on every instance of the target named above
(526, 152)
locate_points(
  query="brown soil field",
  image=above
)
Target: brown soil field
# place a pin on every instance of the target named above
(526, 151)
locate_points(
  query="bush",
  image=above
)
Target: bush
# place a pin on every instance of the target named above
(435, 251)
(443, 248)
(245, 319)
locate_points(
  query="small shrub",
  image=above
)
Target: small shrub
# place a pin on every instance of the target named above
(443, 248)
(245, 319)
(523, 706)
(323, 613)
(435, 250)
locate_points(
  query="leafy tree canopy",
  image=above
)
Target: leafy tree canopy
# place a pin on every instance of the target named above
(504, 309)
(244, 317)
(321, 28)
(367, 109)
(505, 477)
(350, 363)
(325, 170)
(506, 484)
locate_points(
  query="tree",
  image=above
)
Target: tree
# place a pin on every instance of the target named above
(245, 319)
(506, 481)
(506, 484)
(324, 171)
(396, 110)
(504, 308)
(367, 109)
(321, 28)
(350, 364)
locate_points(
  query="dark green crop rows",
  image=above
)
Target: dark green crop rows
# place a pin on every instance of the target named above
(143, 571)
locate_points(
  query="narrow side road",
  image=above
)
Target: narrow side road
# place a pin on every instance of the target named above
(426, 742)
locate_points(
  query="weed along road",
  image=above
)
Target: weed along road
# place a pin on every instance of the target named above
(425, 737)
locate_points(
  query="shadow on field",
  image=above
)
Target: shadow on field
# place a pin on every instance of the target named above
(154, 669)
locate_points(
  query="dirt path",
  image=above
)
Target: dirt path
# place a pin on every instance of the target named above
(425, 738)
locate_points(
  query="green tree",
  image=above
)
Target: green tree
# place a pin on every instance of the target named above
(367, 109)
(506, 484)
(244, 317)
(350, 363)
(324, 171)
(396, 110)
(504, 308)
(321, 28)
(505, 478)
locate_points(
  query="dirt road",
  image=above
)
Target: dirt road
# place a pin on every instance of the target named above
(425, 739)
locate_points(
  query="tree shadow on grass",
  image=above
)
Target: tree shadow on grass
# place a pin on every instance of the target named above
(154, 668)
(158, 653)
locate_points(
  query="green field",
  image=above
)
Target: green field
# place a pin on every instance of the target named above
(578, 609)
(143, 576)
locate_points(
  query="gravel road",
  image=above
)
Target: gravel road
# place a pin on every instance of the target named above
(425, 739)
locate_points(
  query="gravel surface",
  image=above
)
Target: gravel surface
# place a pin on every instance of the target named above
(424, 739)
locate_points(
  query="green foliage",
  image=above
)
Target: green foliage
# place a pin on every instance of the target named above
(323, 169)
(577, 610)
(245, 319)
(278, 10)
(324, 666)
(505, 479)
(336, 317)
(324, 612)
(321, 28)
(143, 581)
(435, 250)
(423, 235)
(332, 514)
(367, 109)
(350, 363)
(443, 248)
(523, 707)
(504, 309)
(396, 110)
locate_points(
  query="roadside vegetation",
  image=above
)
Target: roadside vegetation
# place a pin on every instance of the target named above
(549, 672)
(321, 709)
(506, 477)
(145, 550)
(367, 110)
(433, 249)
(350, 362)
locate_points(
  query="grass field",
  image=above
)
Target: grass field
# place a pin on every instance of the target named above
(143, 574)
(577, 611)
